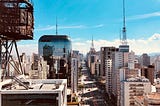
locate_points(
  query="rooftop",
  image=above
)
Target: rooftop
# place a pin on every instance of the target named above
(34, 85)
(137, 79)
(154, 96)
(49, 38)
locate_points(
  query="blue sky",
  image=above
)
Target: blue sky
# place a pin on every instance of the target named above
(102, 19)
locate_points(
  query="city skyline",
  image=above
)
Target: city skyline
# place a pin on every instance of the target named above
(103, 20)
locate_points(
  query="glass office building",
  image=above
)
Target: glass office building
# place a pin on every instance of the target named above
(56, 50)
(54, 45)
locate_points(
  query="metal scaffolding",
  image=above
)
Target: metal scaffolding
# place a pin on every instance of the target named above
(16, 23)
(16, 19)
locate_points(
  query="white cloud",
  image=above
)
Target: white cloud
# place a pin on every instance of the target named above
(76, 39)
(139, 46)
(45, 28)
(59, 27)
(144, 16)
(67, 27)
(71, 27)
(156, 36)
(98, 26)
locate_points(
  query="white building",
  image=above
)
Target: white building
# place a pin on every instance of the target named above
(157, 65)
(34, 92)
(43, 69)
(132, 87)
(117, 63)
(108, 64)
(74, 75)
(131, 60)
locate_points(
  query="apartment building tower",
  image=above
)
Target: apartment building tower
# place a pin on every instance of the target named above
(106, 65)
(132, 87)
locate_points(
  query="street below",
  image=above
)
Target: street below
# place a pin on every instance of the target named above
(91, 94)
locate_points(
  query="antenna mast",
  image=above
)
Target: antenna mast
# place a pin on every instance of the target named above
(92, 46)
(124, 38)
(120, 36)
(56, 27)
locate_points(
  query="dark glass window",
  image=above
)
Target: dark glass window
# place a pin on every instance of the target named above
(29, 100)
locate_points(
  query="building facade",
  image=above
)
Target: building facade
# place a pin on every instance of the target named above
(74, 74)
(105, 54)
(56, 50)
(54, 45)
(131, 60)
(148, 72)
(133, 87)
(144, 60)
(108, 64)
(151, 99)
(36, 92)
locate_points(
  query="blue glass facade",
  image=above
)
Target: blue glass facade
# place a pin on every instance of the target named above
(54, 45)
(56, 50)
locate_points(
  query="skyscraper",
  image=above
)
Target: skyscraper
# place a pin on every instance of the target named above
(107, 65)
(91, 58)
(54, 45)
(144, 60)
(56, 50)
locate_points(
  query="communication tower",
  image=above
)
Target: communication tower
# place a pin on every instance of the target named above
(16, 23)
(124, 47)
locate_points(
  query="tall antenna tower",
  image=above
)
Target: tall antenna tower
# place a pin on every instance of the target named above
(92, 45)
(56, 27)
(124, 38)
(124, 47)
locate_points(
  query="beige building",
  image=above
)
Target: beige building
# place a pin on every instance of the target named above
(152, 99)
(139, 101)
(132, 87)
(121, 75)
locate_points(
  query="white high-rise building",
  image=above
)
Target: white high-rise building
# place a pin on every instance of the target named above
(157, 65)
(108, 64)
(131, 60)
(43, 69)
(117, 63)
(132, 87)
